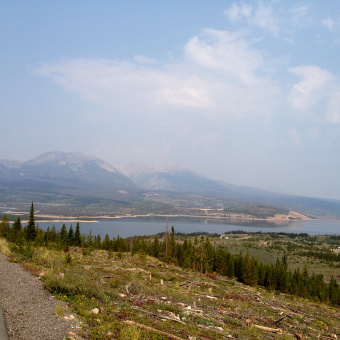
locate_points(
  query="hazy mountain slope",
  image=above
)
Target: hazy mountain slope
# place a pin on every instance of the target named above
(174, 179)
(67, 174)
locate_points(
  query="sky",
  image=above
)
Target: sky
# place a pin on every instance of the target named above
(247, 92)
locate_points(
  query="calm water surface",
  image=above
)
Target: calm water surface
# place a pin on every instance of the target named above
(126, 227)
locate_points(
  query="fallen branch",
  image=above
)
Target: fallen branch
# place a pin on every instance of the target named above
(278, 321)
(148, 328)
(268, 329)
(160, 316)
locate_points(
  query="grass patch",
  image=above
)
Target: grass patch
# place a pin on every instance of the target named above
(4, 247)
(59, 309)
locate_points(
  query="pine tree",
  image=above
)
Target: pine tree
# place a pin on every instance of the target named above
(4, 226)
(172, 244)
(77, 236)
(89, 240)
(52, 236)
(155, 247)
(97, 242)
(31, 231)
(70, 236)
(63, 236)
(107, 244)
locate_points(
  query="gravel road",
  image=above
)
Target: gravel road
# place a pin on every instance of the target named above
(29, 309)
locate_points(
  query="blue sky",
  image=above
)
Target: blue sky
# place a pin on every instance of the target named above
(245, 92)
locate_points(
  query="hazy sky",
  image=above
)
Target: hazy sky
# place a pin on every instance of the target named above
(246, 92)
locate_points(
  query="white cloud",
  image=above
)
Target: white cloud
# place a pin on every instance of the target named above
(328, 23)
(313, 86)
(317, 90)
(140, 59)
(300, 16)
(220, 74)
(127, 85)
(263, 16)
(236, 13)
(333, 108)
(226, 52)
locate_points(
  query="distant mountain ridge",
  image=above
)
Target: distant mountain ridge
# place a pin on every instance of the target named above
(75, 178)
(71, 174)
(175, 179)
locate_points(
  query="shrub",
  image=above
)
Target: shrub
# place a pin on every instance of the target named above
(4, 247)
(71, 285)
(129, 332)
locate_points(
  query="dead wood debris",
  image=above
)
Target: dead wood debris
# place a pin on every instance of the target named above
(171, 336)
(268, 329)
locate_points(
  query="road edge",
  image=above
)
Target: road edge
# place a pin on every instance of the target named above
(3, 327)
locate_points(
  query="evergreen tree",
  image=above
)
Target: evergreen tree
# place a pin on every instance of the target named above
(89, 240)
(172, 244)
(52, 236)
(31, 231)
(4, 226)
(107, 244)
(209, 256)
(334, 292)
(97, 242)
(155, 247)
(63, 236)
(70, 236)
(17, 227)
(46, 234)
(77, 236)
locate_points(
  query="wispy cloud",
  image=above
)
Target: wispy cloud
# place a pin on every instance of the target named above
(316, 87)
(218, 70)
(300, 15)
(262, 16)
(328, 23)
(333, 108)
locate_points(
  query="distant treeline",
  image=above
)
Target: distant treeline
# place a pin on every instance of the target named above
(197, 254)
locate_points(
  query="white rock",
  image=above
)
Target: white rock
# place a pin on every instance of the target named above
(95, 311)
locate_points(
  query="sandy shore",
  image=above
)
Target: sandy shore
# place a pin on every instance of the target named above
(292, 216)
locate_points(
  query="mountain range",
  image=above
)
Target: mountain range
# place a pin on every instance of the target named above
(58, 180)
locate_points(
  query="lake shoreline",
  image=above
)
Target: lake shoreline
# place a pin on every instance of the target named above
(93, 219)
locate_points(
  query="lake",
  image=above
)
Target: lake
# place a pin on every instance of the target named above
(126, 227)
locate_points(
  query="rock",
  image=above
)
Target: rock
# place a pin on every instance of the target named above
(122, 295)
(95, 311)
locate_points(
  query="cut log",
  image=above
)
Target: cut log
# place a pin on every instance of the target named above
(148, 328)
(268, 329)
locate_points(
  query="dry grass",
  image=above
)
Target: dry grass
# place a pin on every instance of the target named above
(129, 332)
(4, 247)
(60, 309)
